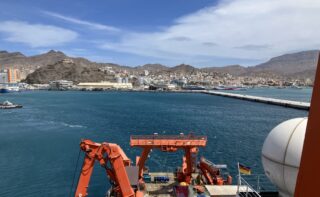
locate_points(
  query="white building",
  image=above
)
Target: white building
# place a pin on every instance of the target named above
(60, 85)
(3, 77)
(105, 85)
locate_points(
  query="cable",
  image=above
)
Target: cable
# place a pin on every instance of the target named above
(74, 174)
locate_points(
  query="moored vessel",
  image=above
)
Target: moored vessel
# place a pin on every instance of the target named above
(6, 88)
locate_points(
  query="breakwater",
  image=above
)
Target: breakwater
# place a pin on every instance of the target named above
(272, 101)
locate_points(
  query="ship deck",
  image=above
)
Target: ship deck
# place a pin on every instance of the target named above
(154, 189)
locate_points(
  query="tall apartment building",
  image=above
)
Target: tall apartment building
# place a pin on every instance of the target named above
(14, 75)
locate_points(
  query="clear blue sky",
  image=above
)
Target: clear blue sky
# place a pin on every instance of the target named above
(197, 32)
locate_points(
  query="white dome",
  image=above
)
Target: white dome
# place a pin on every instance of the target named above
(281, 154)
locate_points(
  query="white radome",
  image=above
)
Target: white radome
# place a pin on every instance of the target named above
(281, 154)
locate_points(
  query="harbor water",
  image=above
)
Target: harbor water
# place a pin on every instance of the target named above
(40, 142)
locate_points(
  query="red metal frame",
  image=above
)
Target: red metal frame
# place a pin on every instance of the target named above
(103, 153)
(309, 172)
(188, 143)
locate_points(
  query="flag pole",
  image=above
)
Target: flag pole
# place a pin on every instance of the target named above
(239, 178)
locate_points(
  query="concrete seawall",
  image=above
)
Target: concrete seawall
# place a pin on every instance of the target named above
(272, 101)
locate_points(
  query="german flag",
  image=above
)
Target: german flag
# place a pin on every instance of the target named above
(244, 169)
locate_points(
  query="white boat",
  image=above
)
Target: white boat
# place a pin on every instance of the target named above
(9, 105)
(7, 88)
(296, 87)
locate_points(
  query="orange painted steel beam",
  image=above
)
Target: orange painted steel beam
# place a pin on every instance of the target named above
(179, 141)
(169, 143)
(309, 172)
(118, 159)
(189, 165)
(207, 176)
(142, 160)
(204, 164)
(85, 175)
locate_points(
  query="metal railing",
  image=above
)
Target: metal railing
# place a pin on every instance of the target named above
(259, 182)
(169, 137)
(245, 189)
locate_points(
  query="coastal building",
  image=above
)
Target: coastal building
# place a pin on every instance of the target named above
(10, 75)
(119, 80)
(105, 85)
(60, 85)
(3, 77)
(13, 75)
(67, 61)
(164, 87)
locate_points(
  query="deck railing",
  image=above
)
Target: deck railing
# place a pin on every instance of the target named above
(172, 141)
(258, 183)
(245, 189)
(170, 137)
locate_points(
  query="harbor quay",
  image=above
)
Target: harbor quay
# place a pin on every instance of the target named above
(271, 101)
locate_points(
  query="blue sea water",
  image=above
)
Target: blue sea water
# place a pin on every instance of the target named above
(39, 144)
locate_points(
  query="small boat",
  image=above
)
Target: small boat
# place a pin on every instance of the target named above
(4, 90)
(193, 87)
(230, 88)
(221, 87)
(8, 88)
(296, 87)
(281, 87)
(9, 105)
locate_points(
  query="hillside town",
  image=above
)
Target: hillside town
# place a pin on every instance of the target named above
(184, 77)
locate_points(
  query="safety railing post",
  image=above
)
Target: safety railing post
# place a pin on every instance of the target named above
(238, 185)
(247, 191)
(258, 184)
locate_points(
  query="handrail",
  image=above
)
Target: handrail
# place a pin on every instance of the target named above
(170, 137)
(249, 189)
(260, 182)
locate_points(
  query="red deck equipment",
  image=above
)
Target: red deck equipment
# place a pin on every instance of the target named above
(189, 143)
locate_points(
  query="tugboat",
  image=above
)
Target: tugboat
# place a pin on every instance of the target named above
(9, 105)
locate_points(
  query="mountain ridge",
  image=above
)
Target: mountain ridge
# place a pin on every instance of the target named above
(294, 65)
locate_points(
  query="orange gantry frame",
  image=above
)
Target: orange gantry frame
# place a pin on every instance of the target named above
(188, 143)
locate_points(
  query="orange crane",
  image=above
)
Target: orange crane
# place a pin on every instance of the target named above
(118, 173)
(212, 173)
(104, 153)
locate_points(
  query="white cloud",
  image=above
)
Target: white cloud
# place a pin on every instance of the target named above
(36, 35)
(82, 22)
(244, 29)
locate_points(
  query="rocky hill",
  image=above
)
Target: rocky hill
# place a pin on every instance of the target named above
(21, 61)
(68, 71)
(301, 65)
(235, 70)
(152, 68)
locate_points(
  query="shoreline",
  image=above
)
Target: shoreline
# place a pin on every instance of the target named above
(300, 105)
